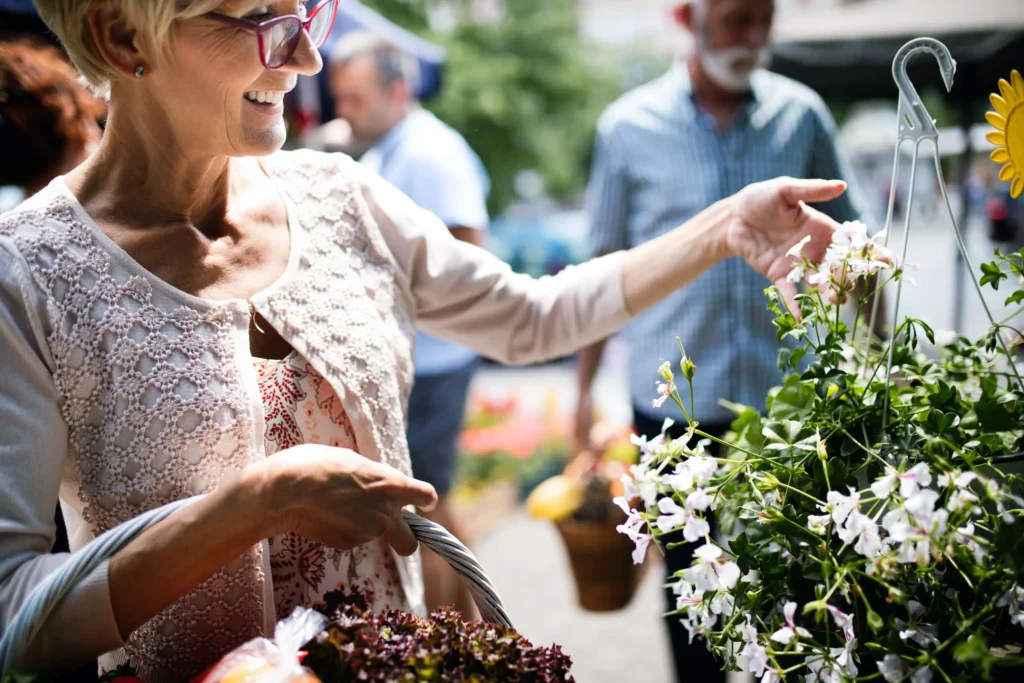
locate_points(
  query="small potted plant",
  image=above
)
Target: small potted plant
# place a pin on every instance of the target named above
(581, 503)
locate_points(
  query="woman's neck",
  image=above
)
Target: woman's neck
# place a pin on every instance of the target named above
(138, 177)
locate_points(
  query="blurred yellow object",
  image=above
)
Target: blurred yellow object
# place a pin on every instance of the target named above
(555, 499)
(1008, 136)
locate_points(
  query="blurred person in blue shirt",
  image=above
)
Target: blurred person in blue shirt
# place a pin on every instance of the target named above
(374, 84)
(715, 123)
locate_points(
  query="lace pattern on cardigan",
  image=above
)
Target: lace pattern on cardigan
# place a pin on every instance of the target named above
(152, 394)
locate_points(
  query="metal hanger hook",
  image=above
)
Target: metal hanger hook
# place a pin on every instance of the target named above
(915, 123)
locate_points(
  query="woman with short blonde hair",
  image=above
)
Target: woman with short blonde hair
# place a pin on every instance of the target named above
(194, 311)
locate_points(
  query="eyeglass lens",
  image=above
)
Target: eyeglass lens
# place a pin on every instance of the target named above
(281, 39)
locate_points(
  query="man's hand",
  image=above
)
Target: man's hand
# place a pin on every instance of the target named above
(770, 217)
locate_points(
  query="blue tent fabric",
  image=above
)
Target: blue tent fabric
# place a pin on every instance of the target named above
(354, 16)
(17, 6)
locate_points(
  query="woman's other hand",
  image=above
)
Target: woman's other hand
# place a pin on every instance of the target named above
(339, 498)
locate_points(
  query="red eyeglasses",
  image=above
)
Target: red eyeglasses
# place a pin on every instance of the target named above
(279, 37)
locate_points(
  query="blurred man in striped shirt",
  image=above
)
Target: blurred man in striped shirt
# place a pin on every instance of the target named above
(716, 122)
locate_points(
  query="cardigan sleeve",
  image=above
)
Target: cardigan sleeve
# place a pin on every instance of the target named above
(467, 295)
(33, 448)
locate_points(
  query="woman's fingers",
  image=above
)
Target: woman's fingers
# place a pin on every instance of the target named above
(812, 190)
(400, 536)
(416, 493)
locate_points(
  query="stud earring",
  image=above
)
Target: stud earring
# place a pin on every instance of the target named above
(139, 71)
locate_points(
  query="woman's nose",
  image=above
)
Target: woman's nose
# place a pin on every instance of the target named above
(306, 59)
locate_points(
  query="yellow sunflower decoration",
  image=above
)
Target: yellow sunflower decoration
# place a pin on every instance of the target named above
(1008, 136)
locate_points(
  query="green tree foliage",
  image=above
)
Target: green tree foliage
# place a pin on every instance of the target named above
(523, 91)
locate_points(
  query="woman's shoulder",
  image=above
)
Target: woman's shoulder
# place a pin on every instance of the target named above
(47, 218)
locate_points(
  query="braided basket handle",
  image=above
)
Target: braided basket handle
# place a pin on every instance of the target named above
(45, 596)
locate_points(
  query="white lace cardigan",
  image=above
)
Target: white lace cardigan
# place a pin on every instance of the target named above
(123, 393)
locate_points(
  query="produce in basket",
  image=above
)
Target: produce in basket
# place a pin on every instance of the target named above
(356, 644)
(359, 645)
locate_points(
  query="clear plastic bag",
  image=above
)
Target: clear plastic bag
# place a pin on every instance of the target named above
(271, 661)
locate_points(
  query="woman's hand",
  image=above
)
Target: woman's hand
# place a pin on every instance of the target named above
(771, 216)
(339, 498)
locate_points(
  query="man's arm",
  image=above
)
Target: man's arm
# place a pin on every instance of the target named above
(607, 205)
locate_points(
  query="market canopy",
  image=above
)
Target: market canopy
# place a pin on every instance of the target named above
(354, 16)
(846, 51)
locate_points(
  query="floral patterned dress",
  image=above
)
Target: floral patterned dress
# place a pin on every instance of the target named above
(301, 407)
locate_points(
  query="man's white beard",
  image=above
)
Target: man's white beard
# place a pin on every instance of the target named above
(718, 65)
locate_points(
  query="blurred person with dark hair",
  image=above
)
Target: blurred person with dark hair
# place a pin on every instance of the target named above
(48, 121)
(715, 123)
(374, 85)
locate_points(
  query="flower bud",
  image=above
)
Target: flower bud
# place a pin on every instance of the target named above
(688, 368)
(666, 371)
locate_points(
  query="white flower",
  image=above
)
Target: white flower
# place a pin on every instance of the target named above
(821, 671)
(687, 597)
(791, 630)
(632, 529)
(840, 506)
(965, 536)
(642, 482)
(961, 499)
(915, 479)
(681, 479)
(957, 478)
(798, 248)
(924, 635)
(771, 676)
(757, 658)
(698, 500)
(702, 468)
(862, 531)
(922, 675)
(843, 621)
(665, 390)
(921, 505)
(1014, 601)
(723, 603)
(891, 668)
(712, 571)
(649, 449)
(884, 487)
(818, 523)
(843, 656)
(821, 276)
(671, 517)
(797, 273)
(748, 631)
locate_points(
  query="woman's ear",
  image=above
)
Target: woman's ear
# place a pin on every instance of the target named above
(117, 40)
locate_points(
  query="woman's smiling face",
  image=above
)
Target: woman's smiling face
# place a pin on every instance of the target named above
(213, 85)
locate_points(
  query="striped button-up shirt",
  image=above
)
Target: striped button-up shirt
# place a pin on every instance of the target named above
(659, 160)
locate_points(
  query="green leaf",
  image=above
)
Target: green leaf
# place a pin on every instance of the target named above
(1015, 298)
(992, 274)
(792, 399)
(995, 416)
